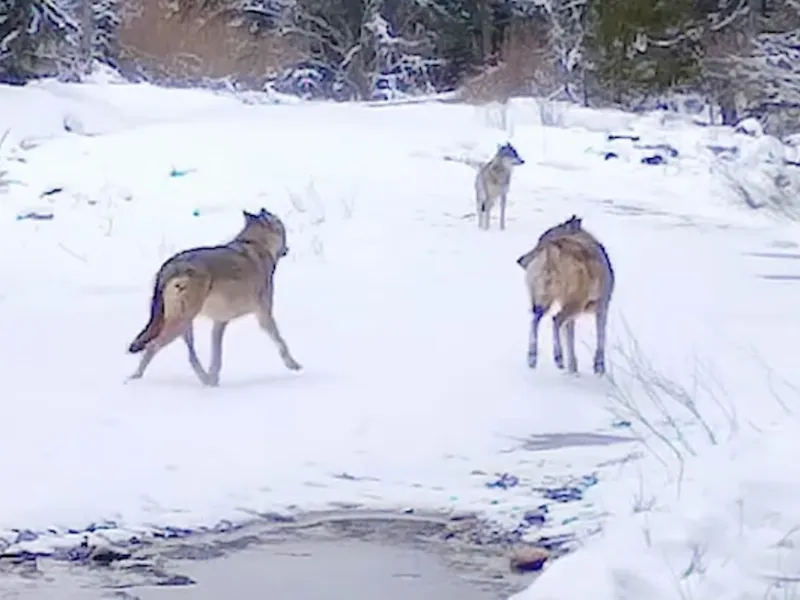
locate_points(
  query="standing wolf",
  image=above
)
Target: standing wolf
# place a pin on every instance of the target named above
(221, 282)
(568, 266)
(492, 183)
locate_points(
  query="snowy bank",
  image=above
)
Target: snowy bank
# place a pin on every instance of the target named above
(732, 534)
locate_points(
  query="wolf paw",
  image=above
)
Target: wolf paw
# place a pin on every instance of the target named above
(599, 367)
(532, 359)
(559, 360)
(292, 364)
(572, 368)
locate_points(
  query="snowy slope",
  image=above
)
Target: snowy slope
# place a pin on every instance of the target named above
(410, 323)
(732, 534)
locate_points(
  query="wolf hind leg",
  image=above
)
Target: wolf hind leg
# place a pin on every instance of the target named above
(217, 333)
(183, 297)
(601, 321)
(267, 322)
(169, 333)
(567, 314)
(538, 311)
(572, 361)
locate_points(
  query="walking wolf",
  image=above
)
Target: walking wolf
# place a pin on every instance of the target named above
(223, 283)
(568, 266)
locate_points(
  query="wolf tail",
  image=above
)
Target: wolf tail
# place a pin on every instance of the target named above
(156, 323)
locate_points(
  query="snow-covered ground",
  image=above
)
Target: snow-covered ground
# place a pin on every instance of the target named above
(410, 323)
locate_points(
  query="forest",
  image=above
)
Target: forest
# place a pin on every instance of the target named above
(741, 56)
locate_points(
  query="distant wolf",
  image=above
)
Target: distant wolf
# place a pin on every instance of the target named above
(492, 183)
(220, 282)
(568, 266)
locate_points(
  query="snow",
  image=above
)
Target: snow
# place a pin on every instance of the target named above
(732, 533)
(411, 325)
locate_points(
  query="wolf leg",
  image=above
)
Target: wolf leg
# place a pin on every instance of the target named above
(503, 199)
(217, 332)
(268, 324)
(182, 298)
(601, 320)
(572, 361)
(168, 334)
(533, 341)
(194, 361)
(564, 316)
(482, 215)
(481, 204)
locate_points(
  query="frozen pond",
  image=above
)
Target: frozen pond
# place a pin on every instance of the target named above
(345, 558)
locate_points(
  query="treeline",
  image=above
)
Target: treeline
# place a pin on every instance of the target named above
(740, 54)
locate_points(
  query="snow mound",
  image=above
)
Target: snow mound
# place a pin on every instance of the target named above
(733, 533)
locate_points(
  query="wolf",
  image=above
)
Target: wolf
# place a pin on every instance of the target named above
(492, 182)
(223, 283)
(568, 266)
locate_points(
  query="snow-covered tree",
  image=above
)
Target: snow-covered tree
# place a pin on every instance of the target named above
(359, 41)
(567, 23)
(104, 36)
(37, 37)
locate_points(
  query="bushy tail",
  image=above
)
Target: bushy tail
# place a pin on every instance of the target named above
(154, 325)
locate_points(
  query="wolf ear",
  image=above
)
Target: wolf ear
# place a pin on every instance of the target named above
(249, 217)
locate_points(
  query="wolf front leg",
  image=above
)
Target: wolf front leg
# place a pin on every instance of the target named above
(194, 361)
(503, 199)
(485, 219)
(482, 206)
(268, 324)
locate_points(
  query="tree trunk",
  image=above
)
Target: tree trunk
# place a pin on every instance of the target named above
(485, 23)
(87, 36)
(727, 108)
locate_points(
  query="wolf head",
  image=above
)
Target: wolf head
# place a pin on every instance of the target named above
(509, 155)
(572, 225)
(266, 229)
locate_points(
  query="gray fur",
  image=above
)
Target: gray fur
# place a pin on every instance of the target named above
(492, 184)
(223, 283)
(571, 268)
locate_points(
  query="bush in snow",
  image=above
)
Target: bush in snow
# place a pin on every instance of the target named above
(764, 172)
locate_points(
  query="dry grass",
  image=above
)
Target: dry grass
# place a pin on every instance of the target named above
(170, 46)
(525, 67)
